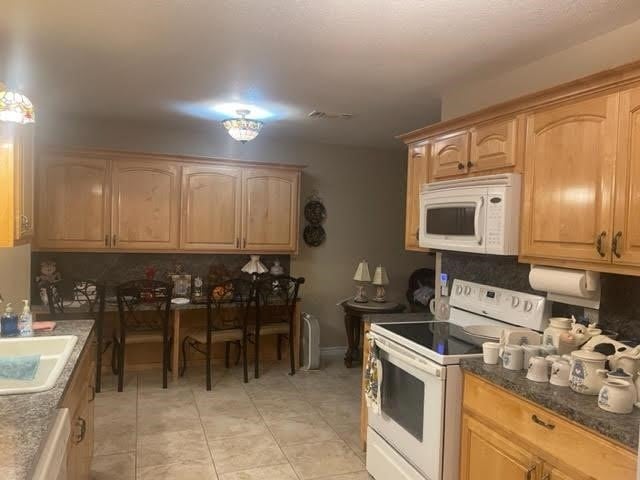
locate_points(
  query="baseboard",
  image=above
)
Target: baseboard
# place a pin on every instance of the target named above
(333, 350)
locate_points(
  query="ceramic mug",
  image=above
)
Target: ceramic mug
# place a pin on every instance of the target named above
(530, 351)
(616, 396)
(490, 352)
(560, 371)
(538, 370)
(513, 357)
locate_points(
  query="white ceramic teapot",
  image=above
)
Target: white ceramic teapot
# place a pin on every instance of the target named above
(616, 396)
(587, 372)
(627, 360)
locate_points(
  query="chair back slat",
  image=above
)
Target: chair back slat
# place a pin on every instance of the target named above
(144, 305)
(279, 291)
(237, 293)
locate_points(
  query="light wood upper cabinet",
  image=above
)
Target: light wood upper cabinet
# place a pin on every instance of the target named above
(626, 230)
(270, 209)
(73, 202)
(417, 174)
(211, 207)
(450, 155)
(493, 146)
(487, 454)
(570, 154)
(145, 204)
(16, 184)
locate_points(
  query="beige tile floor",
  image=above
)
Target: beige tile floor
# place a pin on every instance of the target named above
(278, 427)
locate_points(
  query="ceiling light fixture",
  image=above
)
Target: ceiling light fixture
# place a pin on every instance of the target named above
(15, 107)
(242, 129)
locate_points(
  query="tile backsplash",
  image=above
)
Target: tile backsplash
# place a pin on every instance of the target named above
(620, 300)
(115, 268)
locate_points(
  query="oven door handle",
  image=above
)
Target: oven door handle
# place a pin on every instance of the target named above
(401, 354)
(476, 220)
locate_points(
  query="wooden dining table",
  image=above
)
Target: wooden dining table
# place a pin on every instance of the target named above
(41, 312)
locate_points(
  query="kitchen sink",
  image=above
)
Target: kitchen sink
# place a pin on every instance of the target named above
(54, 353)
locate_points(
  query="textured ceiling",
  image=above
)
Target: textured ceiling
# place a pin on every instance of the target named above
(168, 61)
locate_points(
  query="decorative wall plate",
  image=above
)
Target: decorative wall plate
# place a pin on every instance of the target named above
(314, 235)
(315, 212)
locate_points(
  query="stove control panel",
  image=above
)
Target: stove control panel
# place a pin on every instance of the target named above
(517, 308)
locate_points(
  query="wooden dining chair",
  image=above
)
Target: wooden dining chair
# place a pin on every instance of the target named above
(228, 305)
(144, 308)
(80, 300)
(276, 305)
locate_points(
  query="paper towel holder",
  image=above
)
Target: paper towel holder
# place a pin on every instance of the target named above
(592, 284)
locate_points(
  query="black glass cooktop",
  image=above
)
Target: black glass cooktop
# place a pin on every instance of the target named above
(443, 338)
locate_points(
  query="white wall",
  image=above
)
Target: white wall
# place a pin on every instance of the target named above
(363, 190)
(15, 270)
(600, 53)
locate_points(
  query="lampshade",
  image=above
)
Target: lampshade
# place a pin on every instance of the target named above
(380, 276)
(254, 265)
(362, 272)
(15, 107)
(242, 129)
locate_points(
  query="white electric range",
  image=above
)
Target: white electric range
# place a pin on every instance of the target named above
(416, 433)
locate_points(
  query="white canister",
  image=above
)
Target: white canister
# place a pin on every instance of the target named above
(560, 371)
(557, 326)
(538, 371)
(587, 372)
(490, 352)
(513, 357)
(616, 396)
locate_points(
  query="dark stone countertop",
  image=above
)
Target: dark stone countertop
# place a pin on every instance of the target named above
(581, 409)
(399, 317)
(25, 419)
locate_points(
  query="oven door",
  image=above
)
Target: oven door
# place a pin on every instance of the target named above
(453, 220)
(411, 414)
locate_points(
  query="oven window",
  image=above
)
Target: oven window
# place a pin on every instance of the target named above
(402, 397)
(451, 221)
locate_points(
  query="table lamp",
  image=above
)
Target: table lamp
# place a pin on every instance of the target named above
(380, 279)
(254, 266)
(361, 277)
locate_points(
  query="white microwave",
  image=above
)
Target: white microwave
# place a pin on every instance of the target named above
(477, 214)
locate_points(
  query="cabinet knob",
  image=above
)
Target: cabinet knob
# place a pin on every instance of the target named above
(114, 240)
(542, 423)
(106, 240)
(417, 233)
(461, 166)
(244, 243)
(82, 424)
(469, 164)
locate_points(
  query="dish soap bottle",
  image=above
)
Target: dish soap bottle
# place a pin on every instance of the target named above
(8, 322)
(25, 324)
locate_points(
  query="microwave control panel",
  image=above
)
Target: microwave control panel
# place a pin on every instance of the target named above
(495, 220)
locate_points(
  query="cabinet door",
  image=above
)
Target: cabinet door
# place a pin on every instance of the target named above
(552, 473)
(486, 454)
(24, 183)
(270, 209)
(146, 199)
(211, 208)
(570, 156)
(73, 202)
(417, 174)
(450, 155)
(626, 231)
(493, 146)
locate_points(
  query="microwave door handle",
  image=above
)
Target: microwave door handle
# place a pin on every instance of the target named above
(423, 367)
(476, 220)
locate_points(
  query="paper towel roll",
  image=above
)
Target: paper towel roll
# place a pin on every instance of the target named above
(561, 281)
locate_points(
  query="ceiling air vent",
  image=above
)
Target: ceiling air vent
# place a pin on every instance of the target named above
(330, 115)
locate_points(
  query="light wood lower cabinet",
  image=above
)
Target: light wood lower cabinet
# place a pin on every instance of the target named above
(145, 205)
(417, 175)
(211, 208)
(270, 209)
(505, 437)
(80, 400)
(16, 184)
(103, 201)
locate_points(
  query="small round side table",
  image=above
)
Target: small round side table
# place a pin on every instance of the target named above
(353, 313)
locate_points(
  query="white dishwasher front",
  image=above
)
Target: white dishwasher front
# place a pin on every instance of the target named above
(52, 464)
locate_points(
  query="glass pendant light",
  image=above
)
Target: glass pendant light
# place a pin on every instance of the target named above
(15, 107)
(242, 129)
